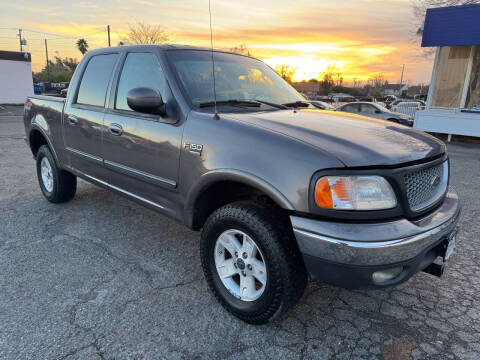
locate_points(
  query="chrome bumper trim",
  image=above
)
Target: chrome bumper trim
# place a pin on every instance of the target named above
(375, 243)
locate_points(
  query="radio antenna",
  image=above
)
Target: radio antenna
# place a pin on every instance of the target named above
(216, 117)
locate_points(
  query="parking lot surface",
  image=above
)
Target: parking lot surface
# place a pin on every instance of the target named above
(101, 277)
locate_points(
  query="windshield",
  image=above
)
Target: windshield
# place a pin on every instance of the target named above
(236, 78)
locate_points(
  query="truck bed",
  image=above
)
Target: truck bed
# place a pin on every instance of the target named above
(44, 113)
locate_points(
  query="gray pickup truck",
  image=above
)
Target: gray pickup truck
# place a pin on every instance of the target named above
(280, 190)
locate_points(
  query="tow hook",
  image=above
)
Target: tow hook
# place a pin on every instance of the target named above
(434, 269)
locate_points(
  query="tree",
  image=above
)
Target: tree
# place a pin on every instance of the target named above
(285, 71)
(328, 78)
(375, 85)
(60, 71)
(82, 46)
(142, 33)
(339, 77)
(241, 49)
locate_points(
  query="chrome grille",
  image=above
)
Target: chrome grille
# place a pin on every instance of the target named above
(426, 186)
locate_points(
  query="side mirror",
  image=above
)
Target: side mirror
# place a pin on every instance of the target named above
(146, 100)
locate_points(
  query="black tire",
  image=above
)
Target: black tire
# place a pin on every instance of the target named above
(272, 233)
(64, 183)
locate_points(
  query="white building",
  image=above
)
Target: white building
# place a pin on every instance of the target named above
(453, 103)
(16, 82)
(395, 89)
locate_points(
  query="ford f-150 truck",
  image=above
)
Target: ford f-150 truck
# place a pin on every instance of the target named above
(281, 191)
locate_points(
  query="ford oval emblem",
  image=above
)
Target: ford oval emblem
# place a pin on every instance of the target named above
(435, 180)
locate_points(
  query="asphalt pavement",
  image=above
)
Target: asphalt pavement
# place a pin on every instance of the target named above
(101, 277)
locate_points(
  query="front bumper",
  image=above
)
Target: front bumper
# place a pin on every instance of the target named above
(347, 254)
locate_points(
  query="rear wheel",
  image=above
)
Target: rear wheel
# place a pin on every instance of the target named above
(251, 261)
(57, 185)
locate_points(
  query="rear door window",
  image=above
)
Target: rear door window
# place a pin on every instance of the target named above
(139, 70)
(95, 79)
(350, 108)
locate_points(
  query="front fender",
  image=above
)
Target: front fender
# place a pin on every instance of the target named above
(218, 175)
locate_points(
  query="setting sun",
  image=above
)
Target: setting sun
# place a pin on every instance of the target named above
(305, 67)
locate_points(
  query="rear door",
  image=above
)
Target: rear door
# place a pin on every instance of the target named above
(83, 116)
(141, 151)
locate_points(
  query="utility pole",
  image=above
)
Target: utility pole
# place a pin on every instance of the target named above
(20, 36)
(108, 30)
(48, 65)
(401, 78)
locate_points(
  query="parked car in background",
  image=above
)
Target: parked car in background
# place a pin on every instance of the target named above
(408, 107)
(388, 99)
(63, 92)
(422, 97)
(394, 102)
(377, 111)
(367, 99)
(398, 101)
(321, 105)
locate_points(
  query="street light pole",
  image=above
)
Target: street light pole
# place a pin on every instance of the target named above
(48, 65)
(108, 30)
(20, 36)
(401, 78)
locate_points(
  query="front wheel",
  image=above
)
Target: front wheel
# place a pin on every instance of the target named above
(251, 261)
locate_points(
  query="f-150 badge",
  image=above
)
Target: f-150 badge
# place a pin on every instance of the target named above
(194, 148)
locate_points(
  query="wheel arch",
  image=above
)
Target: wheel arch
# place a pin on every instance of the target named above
(214, 189)
(38, 137)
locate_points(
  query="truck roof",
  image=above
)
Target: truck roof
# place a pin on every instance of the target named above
(162, 47)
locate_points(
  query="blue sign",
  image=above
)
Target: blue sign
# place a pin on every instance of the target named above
(452, 26)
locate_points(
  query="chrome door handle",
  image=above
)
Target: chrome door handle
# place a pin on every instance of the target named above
(72, 119)
(115, 129)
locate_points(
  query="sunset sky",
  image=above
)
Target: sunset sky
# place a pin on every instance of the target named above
(359, 37)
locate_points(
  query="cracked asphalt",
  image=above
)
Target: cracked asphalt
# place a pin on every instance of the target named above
(101, 277)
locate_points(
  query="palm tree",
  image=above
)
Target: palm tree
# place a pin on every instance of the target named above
(82, 46)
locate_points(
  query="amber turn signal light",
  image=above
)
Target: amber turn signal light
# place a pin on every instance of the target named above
(323, 194)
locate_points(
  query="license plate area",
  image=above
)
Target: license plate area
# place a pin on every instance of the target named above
(450, 245)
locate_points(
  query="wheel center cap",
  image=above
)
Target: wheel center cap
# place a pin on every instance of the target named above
(240, 264)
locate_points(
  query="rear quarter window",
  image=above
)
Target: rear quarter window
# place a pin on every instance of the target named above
(95, 79)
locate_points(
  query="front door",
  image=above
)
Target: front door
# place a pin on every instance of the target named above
(142, 151)
(83, 116)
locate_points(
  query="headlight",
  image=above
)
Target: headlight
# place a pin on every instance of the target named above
(354, 193)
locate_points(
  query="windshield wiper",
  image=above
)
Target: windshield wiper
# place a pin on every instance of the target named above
(232, 102)
(279, 106)
(297, 104)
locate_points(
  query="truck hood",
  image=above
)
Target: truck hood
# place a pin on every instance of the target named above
(355, 140)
